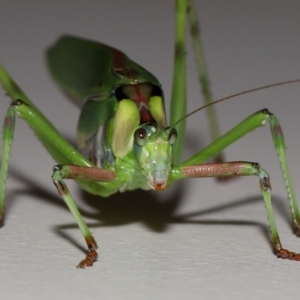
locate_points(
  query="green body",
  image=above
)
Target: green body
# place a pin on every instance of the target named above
(117, 97)
(123, 141)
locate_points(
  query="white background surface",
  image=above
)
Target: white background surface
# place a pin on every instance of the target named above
(201, 240)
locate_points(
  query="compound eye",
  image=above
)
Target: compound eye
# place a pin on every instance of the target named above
(172, 136)
(140, 136)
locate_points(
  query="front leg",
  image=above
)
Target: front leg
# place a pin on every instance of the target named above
(241, 168)
(61, 172)
(254, 121)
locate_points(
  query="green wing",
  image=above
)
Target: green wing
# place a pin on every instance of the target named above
(84, 68)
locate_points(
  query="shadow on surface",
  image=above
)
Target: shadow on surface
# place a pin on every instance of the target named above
(140, 206)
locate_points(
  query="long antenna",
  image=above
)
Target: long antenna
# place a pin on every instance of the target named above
(235, 95)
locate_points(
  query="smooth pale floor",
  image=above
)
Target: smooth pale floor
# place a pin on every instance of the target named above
(200, 240)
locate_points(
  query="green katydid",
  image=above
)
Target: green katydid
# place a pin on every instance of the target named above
(124, 142)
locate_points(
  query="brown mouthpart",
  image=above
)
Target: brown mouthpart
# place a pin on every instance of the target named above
(160, 186)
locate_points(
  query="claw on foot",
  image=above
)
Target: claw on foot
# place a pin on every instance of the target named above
(89, 260)
(286, 254)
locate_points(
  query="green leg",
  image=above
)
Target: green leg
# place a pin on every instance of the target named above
(56, 145)
(249, 124)
(61, 151)
(15, 93)
(203, 76)
(178, 103)
(240, 168)
(61, 172)
(91, 243)
(186, 8)
(8, 134)
(280, 147)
